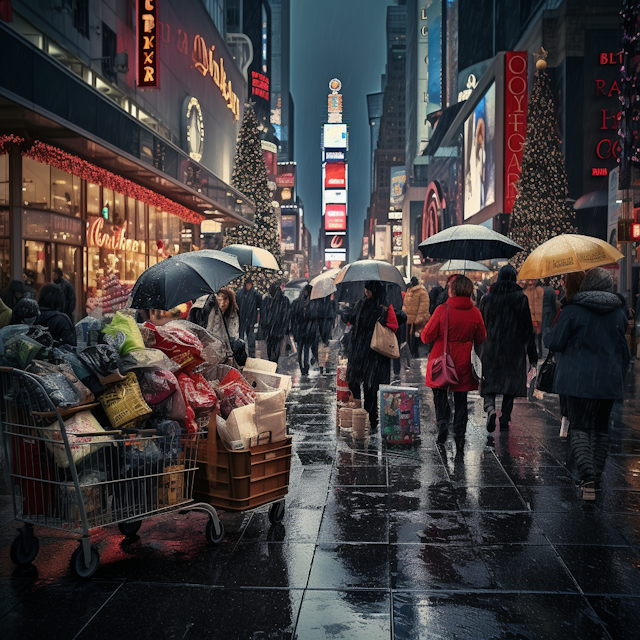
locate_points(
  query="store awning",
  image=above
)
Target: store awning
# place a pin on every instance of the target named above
(42, 100)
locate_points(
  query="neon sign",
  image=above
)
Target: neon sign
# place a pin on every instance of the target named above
(206, 64)
(147, 43)
(259, 85)
(117, 241)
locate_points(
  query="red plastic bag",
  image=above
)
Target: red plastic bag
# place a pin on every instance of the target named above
(158, 385)
(392, 321)
(182, 346)
(198, 393)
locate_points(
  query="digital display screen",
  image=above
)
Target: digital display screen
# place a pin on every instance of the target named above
(335, 136)
(335, 175)
(335, 217)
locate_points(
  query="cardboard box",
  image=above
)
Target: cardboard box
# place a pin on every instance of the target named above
(269, 402)
(257, 364)
(274, 424)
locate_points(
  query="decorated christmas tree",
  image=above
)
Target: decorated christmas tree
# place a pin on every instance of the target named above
(541, 210)
(250, 178)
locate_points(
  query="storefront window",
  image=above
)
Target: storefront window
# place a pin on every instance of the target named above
(4, 222)
(93, 200)
(107, 204)
(153, 228)
(66, 229)
(118, 209)
(4, 179)
(36, 184)
(37, 225)
(141, 224)
(173, 233)
(36, 269)
(65, 192)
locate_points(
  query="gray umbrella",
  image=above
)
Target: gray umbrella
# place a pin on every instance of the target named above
(363, 270)
(184, 277)
(462, 265)
(252, 256)
(468, 242)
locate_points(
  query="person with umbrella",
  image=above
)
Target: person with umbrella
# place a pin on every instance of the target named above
(367, 367)
(510, 340)
(249, 301)
(275, 320)
(591, 370)
(465, 329)
(304, 328)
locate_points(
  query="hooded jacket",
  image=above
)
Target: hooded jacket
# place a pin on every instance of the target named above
(275, 314)
(590, 336)
(510, 338)
(60, 326)
(416, 306)
(466, 328)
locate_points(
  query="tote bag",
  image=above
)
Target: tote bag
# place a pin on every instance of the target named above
(384, 341)
(443, 370)
(547, 374)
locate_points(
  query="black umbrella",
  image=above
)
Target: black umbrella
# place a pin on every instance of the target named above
(363, 270)
(184, 277)
(468, 242)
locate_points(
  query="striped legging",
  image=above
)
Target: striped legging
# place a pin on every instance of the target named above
(589, 435)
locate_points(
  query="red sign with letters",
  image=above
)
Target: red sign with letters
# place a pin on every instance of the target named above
(147, 43)
(335, 217)
(335, 175)
(516, 96)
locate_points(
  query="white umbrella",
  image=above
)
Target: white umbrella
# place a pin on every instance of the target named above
(323, 288)
(462, 265)
(329, 273)
(252, 256)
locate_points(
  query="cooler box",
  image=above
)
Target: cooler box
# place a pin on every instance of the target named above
(399, 414)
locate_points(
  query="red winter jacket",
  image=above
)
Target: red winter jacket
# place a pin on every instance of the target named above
(465, 327)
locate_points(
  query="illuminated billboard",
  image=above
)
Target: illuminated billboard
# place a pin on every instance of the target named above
(335, 196)
(334, 136)
(335, 217)
(479, 157)
(288, 227)
(396, 194)
(335, 241)
(335, 175)
(286, 183)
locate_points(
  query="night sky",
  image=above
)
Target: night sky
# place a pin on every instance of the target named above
(344, 39)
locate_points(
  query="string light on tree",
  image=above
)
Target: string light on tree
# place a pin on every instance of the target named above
(541, 210)
(250, 178)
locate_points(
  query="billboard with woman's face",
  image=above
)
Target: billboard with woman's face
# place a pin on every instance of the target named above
(479, 157)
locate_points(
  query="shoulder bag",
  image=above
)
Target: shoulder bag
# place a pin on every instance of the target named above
(443, 370)
(384, 342)
(547, 373)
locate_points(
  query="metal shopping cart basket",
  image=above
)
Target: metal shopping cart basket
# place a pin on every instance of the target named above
(80, 481)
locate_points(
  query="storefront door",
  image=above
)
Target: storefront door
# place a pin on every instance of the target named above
(68, 259)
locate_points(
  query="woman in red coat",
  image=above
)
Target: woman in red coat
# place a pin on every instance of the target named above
(466, 328)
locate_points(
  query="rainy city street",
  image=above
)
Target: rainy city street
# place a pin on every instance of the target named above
(376, 542)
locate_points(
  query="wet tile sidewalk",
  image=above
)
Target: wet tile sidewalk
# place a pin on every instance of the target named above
(375, 543)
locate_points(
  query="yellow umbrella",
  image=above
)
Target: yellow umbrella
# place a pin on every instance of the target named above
(565, 254)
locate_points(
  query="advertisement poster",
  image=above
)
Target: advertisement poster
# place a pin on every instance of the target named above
(479, 158)
(335, 175)
(288, 227)
(335, 136)
(286, 183)
(335, 241)
(335, 217)
(398, 179)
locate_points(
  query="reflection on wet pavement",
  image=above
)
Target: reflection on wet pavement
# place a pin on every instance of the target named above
(490, 542)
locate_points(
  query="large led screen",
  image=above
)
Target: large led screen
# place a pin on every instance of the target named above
(335, 175)
(288, 227)
(479, 157)
(335, 196)
(335, 217)
(335, 136)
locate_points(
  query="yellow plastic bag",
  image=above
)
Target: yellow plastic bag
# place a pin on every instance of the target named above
(133, 338)
(123, 403)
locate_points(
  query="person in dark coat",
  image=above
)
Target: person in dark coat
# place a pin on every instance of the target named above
(275, 320)
(466, 329)
(510, 340)
(324, 310)
(14, 292)
(435, 293)
(51, 302)
(25, 312)
(367, 367)
(304, 328)
(590, 335)
(68, 292)
(249, 301)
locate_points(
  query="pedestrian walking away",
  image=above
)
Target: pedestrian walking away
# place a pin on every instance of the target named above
(591, 371)
(367, 367)
(510, 341)
(249, 301)
(275, 320)
(416, 306)
(535, 295)
(324, 310)
(68, 292)
(304, 328)
(437, 295)
(51, 302)
(465, 329)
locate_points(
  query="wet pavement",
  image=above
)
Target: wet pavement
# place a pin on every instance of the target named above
(493, 542)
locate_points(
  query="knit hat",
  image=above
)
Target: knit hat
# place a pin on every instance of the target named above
(26, 311)
(597, 279)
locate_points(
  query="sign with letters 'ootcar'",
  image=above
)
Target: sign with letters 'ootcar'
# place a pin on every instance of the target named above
(147, 43)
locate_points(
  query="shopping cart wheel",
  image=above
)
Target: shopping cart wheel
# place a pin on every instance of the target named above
(276, 512)
(24, 548)
(129, 529)
(78, 567)
(210, 532)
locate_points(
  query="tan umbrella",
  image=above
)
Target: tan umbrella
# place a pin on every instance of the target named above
(329, 273)
(567, 253)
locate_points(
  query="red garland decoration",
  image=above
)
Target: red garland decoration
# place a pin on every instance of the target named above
(41, 152)
(7, 141)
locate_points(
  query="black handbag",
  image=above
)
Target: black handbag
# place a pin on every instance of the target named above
(547, 373)
(239, 351)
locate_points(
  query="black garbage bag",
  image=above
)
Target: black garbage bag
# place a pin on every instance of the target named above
(100, 359)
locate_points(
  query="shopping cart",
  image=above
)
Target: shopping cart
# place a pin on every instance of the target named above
(79, 482)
